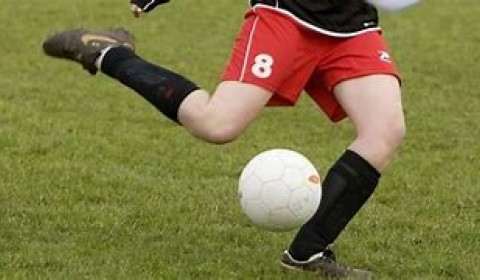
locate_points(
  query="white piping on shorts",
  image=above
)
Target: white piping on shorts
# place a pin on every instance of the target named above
(247, 51)
(313, 27)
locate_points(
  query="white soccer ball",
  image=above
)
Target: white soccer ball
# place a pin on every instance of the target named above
(279, 190)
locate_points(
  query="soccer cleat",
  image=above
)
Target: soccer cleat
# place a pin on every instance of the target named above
(84, 46)
(324, 264)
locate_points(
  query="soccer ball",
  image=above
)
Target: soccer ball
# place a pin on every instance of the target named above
(279, 190)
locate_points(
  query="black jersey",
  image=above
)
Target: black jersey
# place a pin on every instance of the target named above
(339, 18)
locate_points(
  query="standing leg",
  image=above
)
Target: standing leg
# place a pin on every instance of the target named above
(373, 103)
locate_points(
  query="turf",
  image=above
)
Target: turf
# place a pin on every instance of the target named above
(95, 184)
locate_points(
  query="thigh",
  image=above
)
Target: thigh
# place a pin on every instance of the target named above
(239, 103)
(373, 103)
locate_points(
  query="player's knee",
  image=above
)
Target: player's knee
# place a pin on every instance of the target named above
(395, 133)
(223, 134)
(390, 134)
(385, 136)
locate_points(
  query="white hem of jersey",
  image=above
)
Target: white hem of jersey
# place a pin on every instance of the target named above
(313, 27)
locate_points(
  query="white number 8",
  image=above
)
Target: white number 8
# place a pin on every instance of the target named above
(263, 66)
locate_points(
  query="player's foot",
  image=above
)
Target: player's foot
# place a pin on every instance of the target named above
(84, 46)
(324, 264)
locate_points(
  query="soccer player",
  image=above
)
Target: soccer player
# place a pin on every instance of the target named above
(331, 49)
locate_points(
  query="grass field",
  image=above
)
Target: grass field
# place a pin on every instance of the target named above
(95, 184)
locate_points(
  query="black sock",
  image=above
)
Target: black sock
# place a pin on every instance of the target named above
(346, 188)
(164, 89)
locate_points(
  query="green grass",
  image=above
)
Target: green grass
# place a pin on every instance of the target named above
(95, 184)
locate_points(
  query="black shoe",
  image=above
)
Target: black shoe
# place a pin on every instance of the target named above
(84, 46)
(324, 264)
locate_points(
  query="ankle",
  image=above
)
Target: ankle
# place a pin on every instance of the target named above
(99, 60)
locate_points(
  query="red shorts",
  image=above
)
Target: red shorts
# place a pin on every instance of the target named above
(277, 53)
